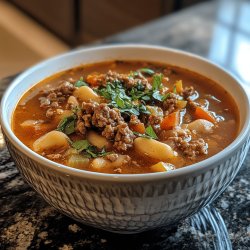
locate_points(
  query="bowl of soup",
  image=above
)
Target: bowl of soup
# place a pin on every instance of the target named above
(127, 138)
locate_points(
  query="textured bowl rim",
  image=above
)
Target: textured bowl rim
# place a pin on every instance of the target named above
(191, 169)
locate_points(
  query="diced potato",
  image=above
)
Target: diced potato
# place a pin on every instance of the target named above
(78, 161)
(51, 141)
(101, 162)
(201, 126)
(121, 160)
(154, 149)
(86, 94)
(97, 140)
(162, 167)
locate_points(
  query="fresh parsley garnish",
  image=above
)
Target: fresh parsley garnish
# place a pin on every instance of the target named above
(80, 83)
(80, 145)
(147, 71)
(149, 133)
(116, 93)
(88, 150)
(157, 79)
(67, 125)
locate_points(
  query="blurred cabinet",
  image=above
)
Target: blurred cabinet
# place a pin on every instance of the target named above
(56, 15)
(101, 18)
(80, 21)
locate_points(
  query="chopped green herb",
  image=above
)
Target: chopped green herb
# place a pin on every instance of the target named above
(70, 128)
(157, 78)
(142, 135)
(150, 132)
(88, 150)
(80, 83)
(157, 95)
(67, 125)
(116, 93)
(119, 101)
(147, 71)
(80, 145)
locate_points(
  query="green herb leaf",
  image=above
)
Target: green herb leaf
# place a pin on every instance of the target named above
(157, 78)
(69, 128)
(88, 150)
(80, 83)
(142, 135)
(147, 71)
(156, 94)
(150, 132)
(120, 103)
(67, 125)
(80, 145)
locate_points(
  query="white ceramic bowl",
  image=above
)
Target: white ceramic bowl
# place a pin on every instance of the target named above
(127, 203)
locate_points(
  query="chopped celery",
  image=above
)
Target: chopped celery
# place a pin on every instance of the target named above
(78, 161)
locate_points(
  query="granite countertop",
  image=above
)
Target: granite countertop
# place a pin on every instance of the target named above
(27, 222)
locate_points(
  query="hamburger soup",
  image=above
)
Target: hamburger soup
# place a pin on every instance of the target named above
(126, 117)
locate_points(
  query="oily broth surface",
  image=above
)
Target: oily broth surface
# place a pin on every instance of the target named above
(28, 109)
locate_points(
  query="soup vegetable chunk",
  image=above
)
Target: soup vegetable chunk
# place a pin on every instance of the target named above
(126, 117)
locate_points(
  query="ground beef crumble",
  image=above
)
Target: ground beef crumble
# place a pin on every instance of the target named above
(184, 142)
(108, 120)
(103, 116)
(188, 91)
(170, 104)
(52, 99)
(124, 137)
(112, 157)
(128, 81)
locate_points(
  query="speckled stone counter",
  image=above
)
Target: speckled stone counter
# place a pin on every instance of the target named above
(27, 222)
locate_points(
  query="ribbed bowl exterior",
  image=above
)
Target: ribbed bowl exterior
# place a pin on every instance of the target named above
(129, 207)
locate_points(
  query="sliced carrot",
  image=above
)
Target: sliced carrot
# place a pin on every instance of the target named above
(92, 80)
(201, 113)
(170, 121)
(139, 128)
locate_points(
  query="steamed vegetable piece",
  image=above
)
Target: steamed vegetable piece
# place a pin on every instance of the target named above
(162, 167)
(139, 128)
(102, 162)
(178, 86)
(78, 161)
(154, 149)
(201, 113)
(98, 140)
(171, 121)
(86, 94)
(200, 126)
(51, 141)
